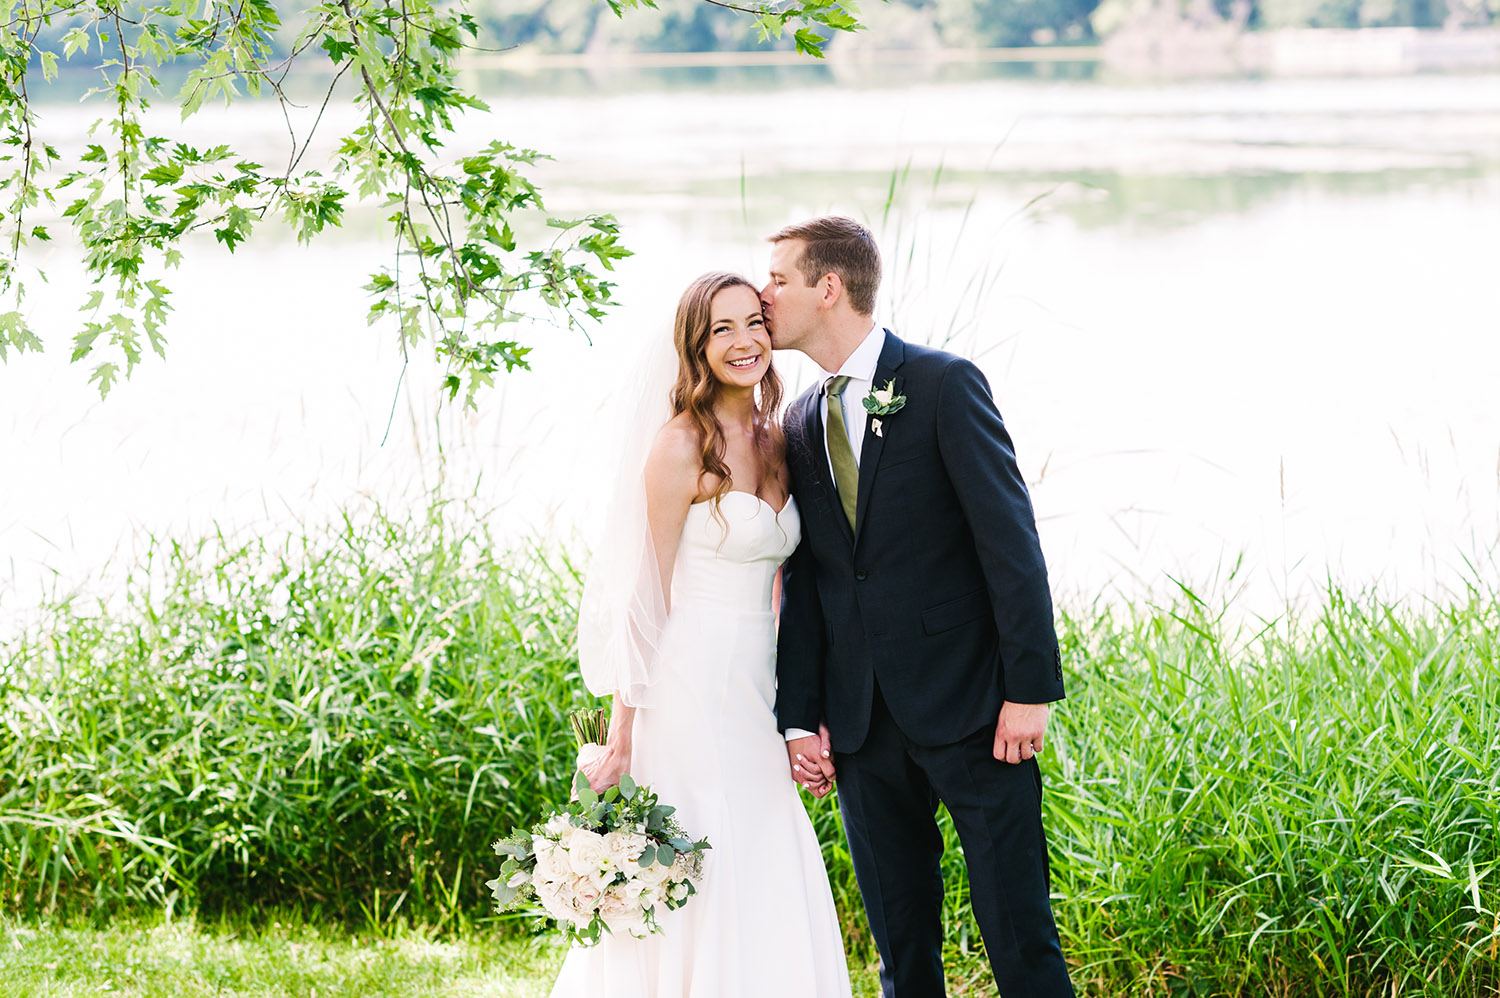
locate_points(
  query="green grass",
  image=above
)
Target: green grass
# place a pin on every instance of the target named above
(278, 953)
(153, 958)
(341, 724)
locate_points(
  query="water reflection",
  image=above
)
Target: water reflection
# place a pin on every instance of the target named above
(1240, 317)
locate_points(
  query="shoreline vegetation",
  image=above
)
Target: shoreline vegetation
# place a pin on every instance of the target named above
(527, 58)
(334, 729)
(1163, 47)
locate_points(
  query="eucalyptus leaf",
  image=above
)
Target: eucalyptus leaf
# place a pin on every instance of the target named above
(502, 893)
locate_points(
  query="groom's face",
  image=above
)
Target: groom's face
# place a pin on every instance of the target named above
(791, 306)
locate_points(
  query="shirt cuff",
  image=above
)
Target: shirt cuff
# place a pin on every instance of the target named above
(792, 734)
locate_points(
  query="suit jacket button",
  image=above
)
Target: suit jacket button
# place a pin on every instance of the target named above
(861, 575)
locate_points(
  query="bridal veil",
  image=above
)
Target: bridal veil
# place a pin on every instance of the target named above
(624, 610)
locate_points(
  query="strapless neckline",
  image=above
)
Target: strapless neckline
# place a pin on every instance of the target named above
(751, 495)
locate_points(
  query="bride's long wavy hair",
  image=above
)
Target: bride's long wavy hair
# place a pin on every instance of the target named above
(697, 389)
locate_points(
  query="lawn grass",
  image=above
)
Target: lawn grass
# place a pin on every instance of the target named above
(279, 955)
(184, 958)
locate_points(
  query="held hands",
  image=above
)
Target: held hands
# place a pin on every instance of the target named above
(1021, 731)
(604, 764)
(811, 759)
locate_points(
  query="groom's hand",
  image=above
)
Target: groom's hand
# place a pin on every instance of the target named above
(811, 759)
(1021, 731)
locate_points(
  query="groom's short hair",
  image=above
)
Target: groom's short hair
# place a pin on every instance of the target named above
(838, 245)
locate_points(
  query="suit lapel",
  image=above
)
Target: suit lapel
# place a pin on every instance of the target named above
(891, 357)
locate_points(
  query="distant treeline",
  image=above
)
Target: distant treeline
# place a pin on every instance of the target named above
(697, 26)
(585, 26)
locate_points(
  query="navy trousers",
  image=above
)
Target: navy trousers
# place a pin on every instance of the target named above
(889, 791)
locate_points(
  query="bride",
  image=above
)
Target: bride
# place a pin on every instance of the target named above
(678, 623)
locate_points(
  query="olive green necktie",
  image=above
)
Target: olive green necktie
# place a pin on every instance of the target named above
(845, 469)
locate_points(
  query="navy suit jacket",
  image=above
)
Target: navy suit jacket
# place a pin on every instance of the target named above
(940, 590)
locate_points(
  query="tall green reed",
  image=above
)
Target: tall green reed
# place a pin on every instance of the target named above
(1310, 808)
(345, 721)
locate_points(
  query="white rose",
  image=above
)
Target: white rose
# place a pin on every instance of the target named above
(588, 856)
(585, 898)
(553, 895)
(625, 850)
(558, 824)
(622, 913)
(551, 859)
(571, 832)
(679, 892)
(883, 396)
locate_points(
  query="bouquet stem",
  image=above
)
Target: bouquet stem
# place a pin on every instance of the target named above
(590, 726)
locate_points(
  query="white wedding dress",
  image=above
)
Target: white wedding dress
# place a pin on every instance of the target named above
(763, 924)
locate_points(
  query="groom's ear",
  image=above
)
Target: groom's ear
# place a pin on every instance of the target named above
(832, 287)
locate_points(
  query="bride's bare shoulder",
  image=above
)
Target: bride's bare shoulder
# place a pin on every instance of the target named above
(675, 451)
(678, 437)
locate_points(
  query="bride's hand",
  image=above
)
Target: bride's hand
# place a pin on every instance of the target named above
(603, 765)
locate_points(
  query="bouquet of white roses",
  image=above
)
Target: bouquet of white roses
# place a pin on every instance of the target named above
(605, 862)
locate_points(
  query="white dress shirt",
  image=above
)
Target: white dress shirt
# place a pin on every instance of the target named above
(860, 370)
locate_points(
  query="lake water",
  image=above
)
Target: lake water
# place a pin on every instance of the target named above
(1245, 319)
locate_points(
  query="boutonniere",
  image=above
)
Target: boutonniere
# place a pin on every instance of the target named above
(883, 402)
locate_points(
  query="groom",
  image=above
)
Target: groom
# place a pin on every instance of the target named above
(916, 627)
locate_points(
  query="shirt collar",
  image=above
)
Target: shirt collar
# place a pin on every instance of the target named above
(862, 362)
